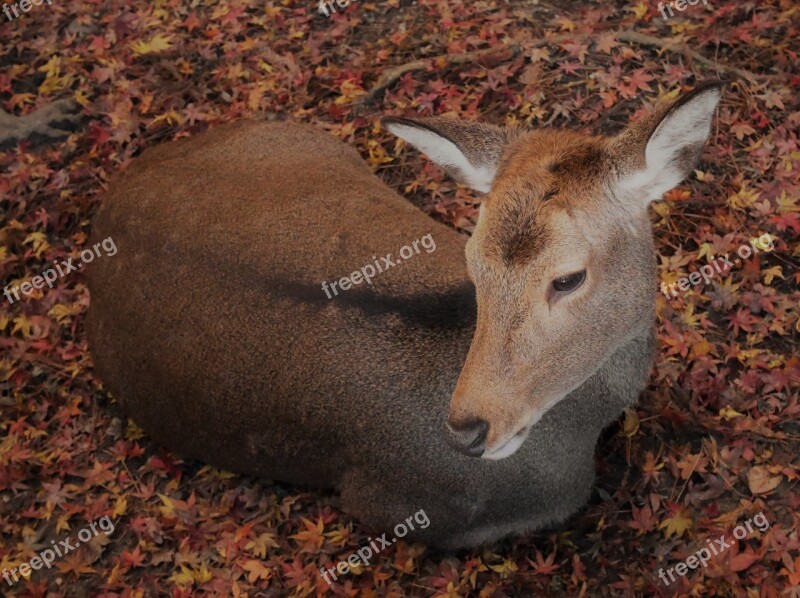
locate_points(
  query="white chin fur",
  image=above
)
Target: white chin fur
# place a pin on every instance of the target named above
(510, 447)
(512, 444)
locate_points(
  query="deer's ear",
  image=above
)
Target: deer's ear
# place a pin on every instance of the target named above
(659, 151)
(468, 151)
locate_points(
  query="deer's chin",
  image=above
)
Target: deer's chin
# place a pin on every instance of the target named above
(510, 446)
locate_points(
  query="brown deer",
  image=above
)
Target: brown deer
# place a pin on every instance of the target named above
(212, 329)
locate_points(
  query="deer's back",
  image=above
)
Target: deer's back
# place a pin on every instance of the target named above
(211, 325)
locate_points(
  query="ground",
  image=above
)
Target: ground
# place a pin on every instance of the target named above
(712, 443)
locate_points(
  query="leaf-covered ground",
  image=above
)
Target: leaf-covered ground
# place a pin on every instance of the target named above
(713, 441)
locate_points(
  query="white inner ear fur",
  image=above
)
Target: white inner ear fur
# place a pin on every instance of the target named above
(446, 154)
(683, 128)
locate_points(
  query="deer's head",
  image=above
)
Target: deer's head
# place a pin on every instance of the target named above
(561, 257)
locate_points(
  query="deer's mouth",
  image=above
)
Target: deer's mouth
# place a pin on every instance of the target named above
(510, 446)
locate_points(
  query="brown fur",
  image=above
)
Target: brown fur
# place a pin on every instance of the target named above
(520, 244)
(558, 205)
(211, 328)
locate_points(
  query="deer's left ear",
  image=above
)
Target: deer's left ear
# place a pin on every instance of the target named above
(468, 151)
(659, 151)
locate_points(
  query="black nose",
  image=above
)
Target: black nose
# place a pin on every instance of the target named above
(468, 437)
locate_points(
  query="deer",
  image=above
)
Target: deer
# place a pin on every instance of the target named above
(473, 382)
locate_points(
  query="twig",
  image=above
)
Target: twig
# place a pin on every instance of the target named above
(42, 122)
(391, 75)
(669, 43)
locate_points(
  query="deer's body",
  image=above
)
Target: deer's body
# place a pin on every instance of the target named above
(211, 327)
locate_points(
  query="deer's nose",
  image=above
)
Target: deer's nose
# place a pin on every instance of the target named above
(468, 436)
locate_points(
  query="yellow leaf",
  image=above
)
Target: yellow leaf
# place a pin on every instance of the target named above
(254, 99)
(339, 535)
(706, 250)
(39, 243)
(747, 355)
(266, 67)
(564, 24)
(168, 510)
(120, 507)
(53, 80)
(133, 432)
(159, 43)
(631, 425)
(661, 208)
(744, 198)
(6, 371)
(203, 575)
(22, 324)
(63, 523)
(706, 177)
(377, 155)
(640, 10)
(81, 98)
(678, 524)
(787, 204)
(116, 575)
(171, 117)
(505, 568)
(184, 578)
(771, 273)
(729, 413)
(689, 318)
(767, 245)
(60, 311)
(349, 93)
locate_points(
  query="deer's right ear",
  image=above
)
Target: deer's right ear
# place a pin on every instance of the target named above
(659, 151)
(468, 151)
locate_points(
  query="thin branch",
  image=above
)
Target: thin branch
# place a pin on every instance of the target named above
(669, 43)
(42, 122)
(389, 76)
(393, 74)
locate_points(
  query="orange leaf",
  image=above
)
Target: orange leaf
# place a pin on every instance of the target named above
(256, 570)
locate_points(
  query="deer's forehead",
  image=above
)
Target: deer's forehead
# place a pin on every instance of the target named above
(546, 182)
(551, 156)
(517, 235)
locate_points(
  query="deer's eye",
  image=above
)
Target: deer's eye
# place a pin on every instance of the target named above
(570, 282)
